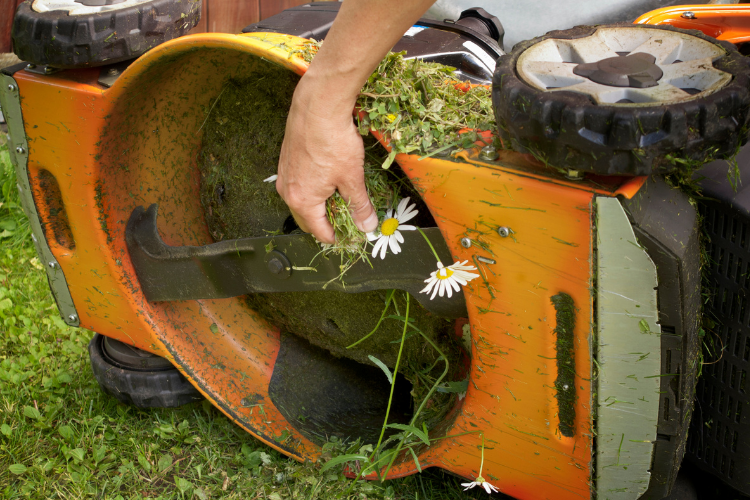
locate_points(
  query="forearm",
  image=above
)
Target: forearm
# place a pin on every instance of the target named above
(363, 33)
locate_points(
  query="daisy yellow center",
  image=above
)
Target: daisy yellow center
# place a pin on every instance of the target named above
(389, 226)
(448, 273)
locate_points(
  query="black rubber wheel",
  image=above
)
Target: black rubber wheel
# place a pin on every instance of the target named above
(115, 34)
(138, 378)
(635, 135)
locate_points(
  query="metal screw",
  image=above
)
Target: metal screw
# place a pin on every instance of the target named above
(49, 70)
(466, 242)
(11, 87)
(504, 232)
(30, 66)
(275, 266)
(72, 318)
(113, 71)
(20, 150)
(688, 15)
(489, 153)
(574, 175)
(52, 265)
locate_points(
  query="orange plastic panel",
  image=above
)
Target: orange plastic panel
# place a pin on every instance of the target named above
(723, 22)
(111, 150)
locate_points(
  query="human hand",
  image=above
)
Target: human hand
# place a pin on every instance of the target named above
(322, 152)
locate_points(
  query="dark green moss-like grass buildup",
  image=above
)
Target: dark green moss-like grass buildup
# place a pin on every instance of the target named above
(566, 364)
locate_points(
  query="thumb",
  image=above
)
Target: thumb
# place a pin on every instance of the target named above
(359, 206)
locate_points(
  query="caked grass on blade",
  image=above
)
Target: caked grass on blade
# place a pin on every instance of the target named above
(61, 437)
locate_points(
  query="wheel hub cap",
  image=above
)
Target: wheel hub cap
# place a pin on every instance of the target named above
(634, 70)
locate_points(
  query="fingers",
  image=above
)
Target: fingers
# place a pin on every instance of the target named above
(355, 194)
(312, 219)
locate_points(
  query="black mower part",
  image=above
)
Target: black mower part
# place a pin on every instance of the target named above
(569, 130)
(60, 40)
(137, 377)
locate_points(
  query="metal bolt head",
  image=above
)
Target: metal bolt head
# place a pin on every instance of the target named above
(503, 231)
(11, 87)
(574, 175)
(20, 150)
(275, 266)
(72, 318)
(466, 242)
(113, 71)
(30, 66)
(489, 153)
(52, 265)
(688, 15)
(49, 70)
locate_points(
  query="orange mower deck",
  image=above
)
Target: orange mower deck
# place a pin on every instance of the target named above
(104, 152)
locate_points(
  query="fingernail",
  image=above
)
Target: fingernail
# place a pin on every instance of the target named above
(371, 223)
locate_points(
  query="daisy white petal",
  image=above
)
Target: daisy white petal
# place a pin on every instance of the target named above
(402, 205)
(468, 485)
(384, 246)
(446, 279)
(393, 243)
(389, 233)
(406, 227)
(271, 179)
(486, 487)
(407, 216)
(381, 242)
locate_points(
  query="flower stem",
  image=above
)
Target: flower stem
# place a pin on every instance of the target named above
(481, 464)
(426, 398)
(382, 316)
(429, 243)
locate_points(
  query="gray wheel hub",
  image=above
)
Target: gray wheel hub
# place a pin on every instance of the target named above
(634, 70)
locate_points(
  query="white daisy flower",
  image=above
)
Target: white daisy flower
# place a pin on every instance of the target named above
(449, 277)
(480, 482)
(389, 235)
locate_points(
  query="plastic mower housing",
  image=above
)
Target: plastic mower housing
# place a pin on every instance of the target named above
(581, 333)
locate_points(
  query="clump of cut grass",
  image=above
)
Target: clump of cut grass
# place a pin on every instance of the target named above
(421, 109)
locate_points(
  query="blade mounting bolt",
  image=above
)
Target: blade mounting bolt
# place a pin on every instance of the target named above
(20, 150)
(688, 15)
(72, 318)
(503, 231)
(11, 87)
(489, 153)
(466, 242)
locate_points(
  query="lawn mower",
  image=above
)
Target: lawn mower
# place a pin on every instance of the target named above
(581, 340)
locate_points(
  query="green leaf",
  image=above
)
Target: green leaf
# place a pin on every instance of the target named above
(164, 462)
(457, 387)
(410, 428)
(5, 429)
(66, 432)
(382, 366)
(183, 484)
(416, 460)
(343, 459)
(78, 454)
(17, 469)
(64, 378)
(99, 454)
(144, 463)
(31, 412)
(6, 303)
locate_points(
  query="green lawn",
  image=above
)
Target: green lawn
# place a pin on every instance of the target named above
(61, 437)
